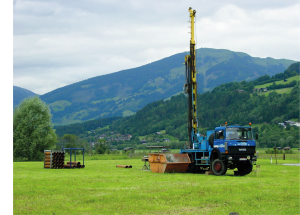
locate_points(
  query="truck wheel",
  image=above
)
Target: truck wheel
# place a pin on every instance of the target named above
(211, 140)
(218, 167)
(245, 168)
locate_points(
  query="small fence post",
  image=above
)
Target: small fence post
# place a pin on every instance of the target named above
(271, 159)
(275, 155)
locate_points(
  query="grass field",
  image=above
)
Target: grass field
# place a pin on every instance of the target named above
(279, 91)
(296, 78)
(101, 188)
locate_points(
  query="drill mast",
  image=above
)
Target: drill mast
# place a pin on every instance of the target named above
(191, 84)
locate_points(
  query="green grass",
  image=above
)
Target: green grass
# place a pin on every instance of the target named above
(279, 91)
(128, 113)
(296, 78)
(60, 105)
(101, 188)
(75, 117)
(106, 100)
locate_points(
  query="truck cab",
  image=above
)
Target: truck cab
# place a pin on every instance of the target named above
(226, 147)
(233, 147)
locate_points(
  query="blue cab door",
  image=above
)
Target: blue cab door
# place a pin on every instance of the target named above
(220, 139)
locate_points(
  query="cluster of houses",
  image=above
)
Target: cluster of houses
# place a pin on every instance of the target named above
(155, 140)
(117, 137)
(260, 90)
(289, 122)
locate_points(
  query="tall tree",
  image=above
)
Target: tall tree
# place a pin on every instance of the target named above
(32, 130)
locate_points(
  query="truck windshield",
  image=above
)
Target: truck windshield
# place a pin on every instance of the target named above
(239, 134)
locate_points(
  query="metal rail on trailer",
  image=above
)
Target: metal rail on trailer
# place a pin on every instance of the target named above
(75, 154)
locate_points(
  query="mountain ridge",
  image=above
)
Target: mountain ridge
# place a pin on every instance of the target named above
(124, 92)
(20, 93)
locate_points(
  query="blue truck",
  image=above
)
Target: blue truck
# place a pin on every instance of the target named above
(226, 147)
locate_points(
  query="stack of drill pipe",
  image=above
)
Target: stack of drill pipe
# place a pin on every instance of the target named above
(77, 164)
(67, 166)
(47, 159)
(56, 161)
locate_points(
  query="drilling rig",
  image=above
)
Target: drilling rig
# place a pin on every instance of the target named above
(226, 147)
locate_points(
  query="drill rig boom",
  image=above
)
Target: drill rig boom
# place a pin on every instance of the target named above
(190, 86)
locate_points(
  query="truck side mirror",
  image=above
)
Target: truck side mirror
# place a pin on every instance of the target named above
(256, 136)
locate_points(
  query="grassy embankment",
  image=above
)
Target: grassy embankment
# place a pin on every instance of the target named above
(101, 188)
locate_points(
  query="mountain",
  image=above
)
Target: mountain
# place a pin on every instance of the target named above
(234, 102)
(20, 94)
(124, 92)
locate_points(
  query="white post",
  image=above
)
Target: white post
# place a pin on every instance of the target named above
(271, 159)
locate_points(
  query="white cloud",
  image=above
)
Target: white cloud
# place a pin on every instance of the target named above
(265, 33)
(57, 43)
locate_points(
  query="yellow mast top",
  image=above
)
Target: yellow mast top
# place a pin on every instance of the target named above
(192, 15)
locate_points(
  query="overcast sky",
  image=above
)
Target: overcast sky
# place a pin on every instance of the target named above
(60, 42)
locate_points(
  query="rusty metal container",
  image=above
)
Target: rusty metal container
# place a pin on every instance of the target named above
(169, 163)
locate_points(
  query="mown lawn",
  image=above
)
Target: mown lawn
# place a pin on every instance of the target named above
(101, 188)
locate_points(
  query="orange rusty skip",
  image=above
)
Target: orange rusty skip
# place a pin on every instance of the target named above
(169, 163)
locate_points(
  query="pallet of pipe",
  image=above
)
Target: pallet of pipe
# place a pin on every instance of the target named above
(54, 159)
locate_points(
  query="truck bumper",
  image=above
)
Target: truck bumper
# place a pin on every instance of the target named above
(237, 158)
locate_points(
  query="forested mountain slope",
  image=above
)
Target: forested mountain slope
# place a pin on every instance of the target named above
(235, 103)
(123, 93)
(214, 108)
(19, 94)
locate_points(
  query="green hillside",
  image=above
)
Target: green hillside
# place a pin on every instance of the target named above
(20, 94)
(235, 103)
(288, 80)
(125, 92)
